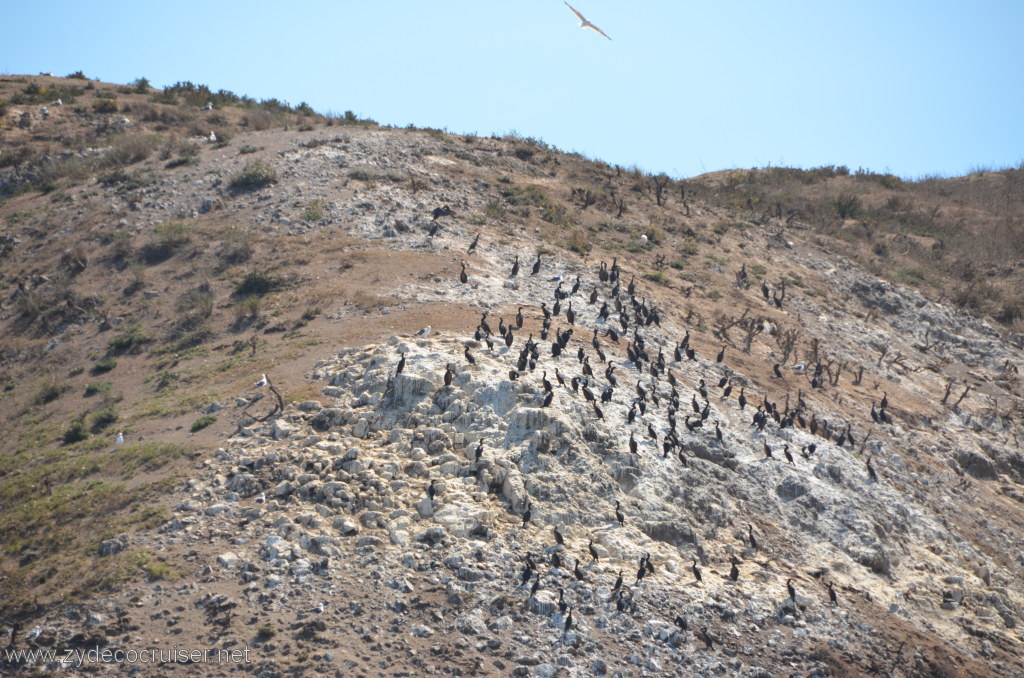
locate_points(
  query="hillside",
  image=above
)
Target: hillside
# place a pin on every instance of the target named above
(158, 258)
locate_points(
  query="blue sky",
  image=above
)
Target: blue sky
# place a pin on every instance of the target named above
(914, 88)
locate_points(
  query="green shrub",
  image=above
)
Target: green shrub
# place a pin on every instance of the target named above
(140, 85)
(256, 174)
(105, 106)
(103, 417)
(77, 75)
(847, 206)
(76, 432)
(257, 283)
(202, 422)
(104, 365)
(313, 211)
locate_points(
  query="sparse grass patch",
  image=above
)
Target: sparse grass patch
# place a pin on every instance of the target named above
(166, 379)
(910, 276)
(494, 209)
(124, 180)
(249, 148)
(578, 242)
(132, 338)
(97, 388)
(202, 422)
(160, 569)
(49, 390)
(365, 301)
(309, 314)
(188, 154)
(659, 276)
(174, 234)
(247, 309)
(255, 175)
(236, 245)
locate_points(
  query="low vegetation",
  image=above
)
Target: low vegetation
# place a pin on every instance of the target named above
(255, 175)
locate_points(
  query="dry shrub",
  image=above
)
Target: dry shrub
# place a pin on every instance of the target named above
(258, 120)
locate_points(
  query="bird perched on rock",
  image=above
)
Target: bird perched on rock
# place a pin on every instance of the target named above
(262, 382)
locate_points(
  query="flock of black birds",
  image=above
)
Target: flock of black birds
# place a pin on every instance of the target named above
(623, 316)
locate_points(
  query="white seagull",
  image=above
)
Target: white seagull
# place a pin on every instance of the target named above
(262, 382)
(119, 439)
(424, 332)
(799, 367)
(262, 499)
(584, 23)
(643, 238)
(34, 633)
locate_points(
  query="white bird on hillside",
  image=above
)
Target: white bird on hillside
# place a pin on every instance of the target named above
(799, 367)
(262, 382)
(424, 332)
(34, 633)
(584, 23)
(643, 238)
(212, 137)
(262, 499)
(119, 439)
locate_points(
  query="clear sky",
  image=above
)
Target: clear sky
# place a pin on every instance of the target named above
(906, 86)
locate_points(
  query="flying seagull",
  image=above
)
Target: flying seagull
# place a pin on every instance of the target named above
(583, 21)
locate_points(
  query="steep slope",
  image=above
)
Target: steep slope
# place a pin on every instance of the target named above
(321, 278)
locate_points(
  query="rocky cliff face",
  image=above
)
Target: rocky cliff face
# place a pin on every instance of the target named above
(477, 522)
